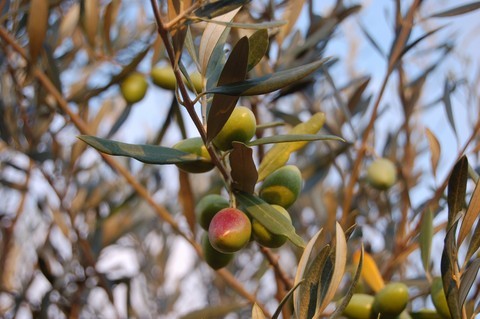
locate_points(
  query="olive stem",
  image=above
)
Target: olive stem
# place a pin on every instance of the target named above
(189, 105)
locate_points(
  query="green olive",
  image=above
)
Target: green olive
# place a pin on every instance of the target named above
(240, 127)
(359, 307)
(207, 207)
(195, 146)
(213, 257)
(382, 174)
(282, 187)
(390, 301)
(163, 77)
(264, 237)
(134, 87)
(439, 299)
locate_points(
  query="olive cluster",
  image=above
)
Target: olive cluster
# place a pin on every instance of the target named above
(229, 229)
(134, 87)
(388, 303)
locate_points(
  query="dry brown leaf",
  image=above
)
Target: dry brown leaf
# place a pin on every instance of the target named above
(37, 27)
(291, 14)
(435, 150)
(69, 22)
(90, 19)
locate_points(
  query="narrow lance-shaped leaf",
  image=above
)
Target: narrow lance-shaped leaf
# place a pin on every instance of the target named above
(244, 173)
(258, 45)
(466, 8)
(338, 269)
(448, 106)
(218, 8)
(370, 272)
(222, 105)
(302, 266)
(339, 309)
(426, 235)
(473, 211)
(457, 189)
(270, 82)
(274, 139)
(186, 199)
(90, 19)
(468, 278)
(474, 243)
(150, 154)
(448, 267)
(308, 296)
(210, 37)
(285, 299)
(37, 27)
(434, 149)
(269, 217)
(279, 154)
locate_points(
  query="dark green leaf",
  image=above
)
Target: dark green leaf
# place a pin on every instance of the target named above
(426, 235)
(269, 217)
(466, 8)
(248, 26)
(420, 39)
(294, 138)
(468, 278)
(448, 266)
(308, 291)
(258, 45)
(457, 189)
(372, 41)
(150, 154)
(268, 83)
(244, 173)
(356, 97)
(448, 106)
(235, 70)
(217, 8)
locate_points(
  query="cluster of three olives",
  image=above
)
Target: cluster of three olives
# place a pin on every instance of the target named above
(231, 229)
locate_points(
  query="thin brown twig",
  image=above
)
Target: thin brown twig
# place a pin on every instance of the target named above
(394, 58)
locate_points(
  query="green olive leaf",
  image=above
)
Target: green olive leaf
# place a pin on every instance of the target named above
(235, 69)
(268, 83)
(279, 154)
(264, 213)
(150, 154)
(425, 238)
(258, 45)
(244, 173)
(466, 8)
(294, 138)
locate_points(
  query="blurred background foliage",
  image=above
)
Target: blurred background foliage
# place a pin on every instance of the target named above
(84, 235)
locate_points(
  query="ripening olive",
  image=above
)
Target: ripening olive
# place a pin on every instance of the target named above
(240, 127)
(134, 87)
(390, 301)
(266, 238)
(213, 257)
(195, 146)
(229, 230)
(382, 174)
(282, 187)
(207, 207)
(359, 307)
(439, 299)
